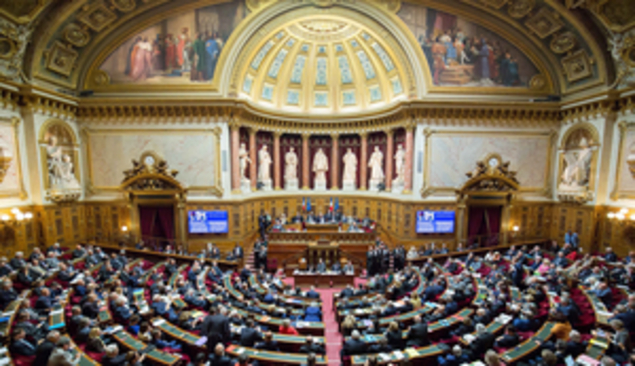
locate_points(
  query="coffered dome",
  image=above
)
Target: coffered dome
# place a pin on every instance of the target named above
(323, 64)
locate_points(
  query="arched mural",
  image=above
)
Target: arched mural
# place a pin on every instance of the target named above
(180, 49)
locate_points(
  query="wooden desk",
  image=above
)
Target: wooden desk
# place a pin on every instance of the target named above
(322, 228)
(127, 340)
(529, 345)
(323, 280)
(411, 354)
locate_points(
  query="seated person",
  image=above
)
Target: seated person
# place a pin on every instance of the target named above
(95, 343)
(19, 345)
(287, 329)
(310, 346)
(354, 346)
(509, 339)
(268, 344)
(161, 343)
(313, 313)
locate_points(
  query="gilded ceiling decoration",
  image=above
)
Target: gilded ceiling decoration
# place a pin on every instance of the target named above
(81, 29)
(323, 64)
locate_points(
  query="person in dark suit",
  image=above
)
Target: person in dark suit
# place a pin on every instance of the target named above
(44, 349)
(418, 334)
(509, 339)
(90, 308)
(238, 253)
(219, 358)
(25, 277)
(5, 268)
(575, 345)
(310, 346)
(19, 345)
(44, 303)
(394, 336)
(312, 294)
(79, 252)
(249, 335)
(604, 293)
(321, 266)
(113, 358)
(18, 261)
(380, 347)
(216, 328)
(7, 294)
(484, 340)
(83, 331)
(354, 346)
(268, 344)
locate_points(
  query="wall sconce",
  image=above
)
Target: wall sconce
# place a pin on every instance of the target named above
(515, 228)
(18, 216)
(124, 229)
(621, 215)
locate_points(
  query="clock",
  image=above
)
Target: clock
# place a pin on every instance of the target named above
(493, 162)
(149, 160)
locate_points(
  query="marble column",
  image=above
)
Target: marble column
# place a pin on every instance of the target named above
(305, 161)
(363, 163)
(407, 185)
(253, 156)
(276, 160)
(335, 160)
(390, 156)
(235, 145)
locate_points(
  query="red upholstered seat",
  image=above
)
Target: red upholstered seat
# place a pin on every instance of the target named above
(23, 360)
(95, 356)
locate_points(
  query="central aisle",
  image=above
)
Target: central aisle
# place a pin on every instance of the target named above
(332, 335)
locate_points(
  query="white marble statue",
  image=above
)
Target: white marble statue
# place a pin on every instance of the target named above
(376, 165)
(264, 164)
(577, 167)
(60, 167)
(291, 169)
(243, 156)
(350, 169)
(400, 163)
(320, 167)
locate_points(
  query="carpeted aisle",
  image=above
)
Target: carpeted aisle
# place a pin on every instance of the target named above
(332, 334)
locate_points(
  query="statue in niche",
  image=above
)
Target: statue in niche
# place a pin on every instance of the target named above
(264, 162)
(320, 166)
(376, 165)
(244, 161)
(350, 167)
(577, 164)
(291, 165)
(400, 164)
(60, 167)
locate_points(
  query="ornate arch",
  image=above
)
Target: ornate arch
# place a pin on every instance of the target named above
(586, 128)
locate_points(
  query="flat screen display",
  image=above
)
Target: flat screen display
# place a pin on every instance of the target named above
(207, 222)
(435, 222)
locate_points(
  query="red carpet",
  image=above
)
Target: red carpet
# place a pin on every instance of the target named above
(332, 334)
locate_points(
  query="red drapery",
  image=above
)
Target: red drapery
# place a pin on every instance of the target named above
(485, 222)
(157, 221)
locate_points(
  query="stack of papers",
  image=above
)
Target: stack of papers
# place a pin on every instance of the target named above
(157, 322)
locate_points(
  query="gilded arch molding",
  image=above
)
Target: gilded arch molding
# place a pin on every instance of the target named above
(79, 50)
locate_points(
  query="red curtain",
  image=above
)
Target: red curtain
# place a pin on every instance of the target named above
(476, 224)
(485, 221)
(315, 143)
(157, 221)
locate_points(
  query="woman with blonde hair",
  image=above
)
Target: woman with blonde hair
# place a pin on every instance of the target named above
(415, 300)
(394, 336)
(95, 343)
(348, 325)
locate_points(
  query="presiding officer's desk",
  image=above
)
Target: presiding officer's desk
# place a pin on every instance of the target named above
(323, 279)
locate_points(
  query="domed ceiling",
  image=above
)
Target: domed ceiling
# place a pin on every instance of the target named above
(323, 64)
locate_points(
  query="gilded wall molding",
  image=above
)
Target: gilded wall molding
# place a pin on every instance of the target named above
(616, 194)
(215, 188)
(17, 160)
(428, 190)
